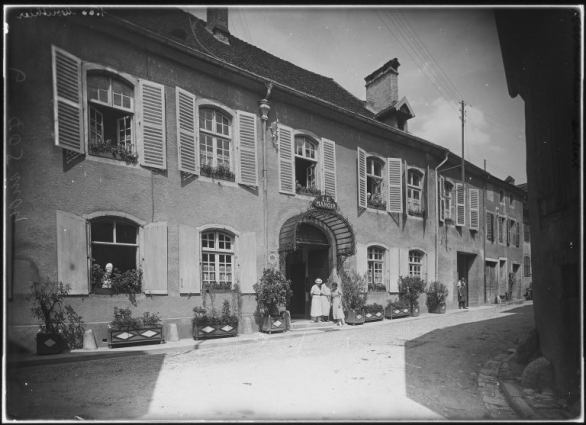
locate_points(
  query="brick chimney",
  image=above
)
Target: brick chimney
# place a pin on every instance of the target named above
(382, 88)
(217, 23)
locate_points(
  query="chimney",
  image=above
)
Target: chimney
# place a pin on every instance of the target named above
(382, 88)
(217, 24)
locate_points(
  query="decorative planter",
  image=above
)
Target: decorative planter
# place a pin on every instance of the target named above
(374, 317)
(396, 312)
(354, 317)
(145, 335)
(49, 343)
(414, 311)
(273, 324)
(437, 308)
(214, 331)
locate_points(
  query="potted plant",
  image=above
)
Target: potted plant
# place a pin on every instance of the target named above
(354, 294)
(125, 329)
(128, 282)
(410, 288)
(207, 323)
(397, 308)
(271, 293)
(373, 312)
(58, 324)
(437, 293)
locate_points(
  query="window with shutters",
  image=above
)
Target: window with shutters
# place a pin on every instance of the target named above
(510, 232)
(217, 260)
(473, 197)
(490, 226)
(415, 204)
(511, 200)
(114, 251)
(216, 156)
(527, 266)
(415, 263)
(376, 268)
(502, 224)
(374, 183)
(526, 232)
(448, 201)
(502, 201)
(306, 166)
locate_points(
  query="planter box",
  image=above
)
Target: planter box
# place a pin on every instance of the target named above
(374, 317)
(145, 335)
(415, 312)
(49, 343)
(214, 331)
(273, 324)
(437, 309)
(354, 317)
(395, 313)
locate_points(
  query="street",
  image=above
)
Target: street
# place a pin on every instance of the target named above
(405, 369)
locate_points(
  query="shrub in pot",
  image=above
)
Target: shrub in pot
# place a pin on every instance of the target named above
(125, 329)
(373, 312)
(354, 295)
(272, 292)
(410, 288)
(437, 293)
(58, 323)
(397, 308)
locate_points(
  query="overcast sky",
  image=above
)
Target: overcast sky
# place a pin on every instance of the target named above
(446, 54)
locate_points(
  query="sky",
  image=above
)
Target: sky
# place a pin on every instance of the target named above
(447, 55)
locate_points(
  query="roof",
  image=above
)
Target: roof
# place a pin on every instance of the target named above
(187, 29)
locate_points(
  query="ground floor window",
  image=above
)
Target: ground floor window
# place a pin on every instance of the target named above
(375, 269)
(217, 260)
(527, 266)
(415, 263)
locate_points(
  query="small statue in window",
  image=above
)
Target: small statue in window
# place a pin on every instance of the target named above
(107, 279)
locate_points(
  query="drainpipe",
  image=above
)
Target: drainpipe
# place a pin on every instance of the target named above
(437, 215)
(264, 109)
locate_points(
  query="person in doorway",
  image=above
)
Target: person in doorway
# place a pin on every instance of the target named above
(326, 302)
(462, 293)
(337, 310)
(316, 301)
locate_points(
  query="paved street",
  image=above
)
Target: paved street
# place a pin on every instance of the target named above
(406, 369)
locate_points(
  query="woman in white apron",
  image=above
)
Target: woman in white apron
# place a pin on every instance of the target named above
(316, 300)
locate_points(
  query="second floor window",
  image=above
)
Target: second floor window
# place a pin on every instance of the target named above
(449, 201)
(215, 144)
(375, 269)
(374, 183)
(217, 260)
(306, 160)
(414, 192)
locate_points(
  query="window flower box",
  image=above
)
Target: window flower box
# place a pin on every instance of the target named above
(308, 191)
(221, 172)
(377, 205)
(417, 212)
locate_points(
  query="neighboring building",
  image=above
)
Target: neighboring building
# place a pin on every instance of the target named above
(542, 58)
(151, 139)
(526, 241)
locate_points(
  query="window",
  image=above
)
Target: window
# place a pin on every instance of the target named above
(306, 160)
(414, 192)
(375, 258)
(511, 200)
(490, 226)
(449, 200)
(374, 183)
(526, 233)
(215, 145)
(527, 266)
(502, 229)
(502, 201)
(217, 260)
(510, 232)
(415, 263)
(489, 192)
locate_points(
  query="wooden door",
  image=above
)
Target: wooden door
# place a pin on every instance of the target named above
(491, 282)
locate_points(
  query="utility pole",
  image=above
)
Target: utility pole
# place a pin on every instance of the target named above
(463, 113)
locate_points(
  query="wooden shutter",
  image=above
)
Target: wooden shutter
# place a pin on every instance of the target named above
(441, 199)
(474, 209)
(403, 262)
(187, 131)
(247, 262)
(361, 168)
(328, 154)
(286, 160)
(154, 262)
(460, 205)
(361, 259)
(489, 227)
(67, 103)
(517, 235)
(394, 269)
(152, 126)
(508, 226)
(248, 172)
(395, 185)
(72, 255)
(189, 259)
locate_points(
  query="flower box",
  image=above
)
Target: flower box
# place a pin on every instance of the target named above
(273, 324)
(437, 309)
(354, 317)
(49, 343)
(397, 312)
(215, 331)
(143, 335)
(414, 312)
(374, 317)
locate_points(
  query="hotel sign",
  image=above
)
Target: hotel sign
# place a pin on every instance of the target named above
(325, 202)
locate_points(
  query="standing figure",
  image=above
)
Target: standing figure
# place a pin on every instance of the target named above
(462, 293)
(337, 310)
(316, 300)
(107, 279)
(326, 302)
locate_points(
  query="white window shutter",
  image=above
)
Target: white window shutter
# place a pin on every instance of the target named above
(361, 172)
(247, 262)
(403, 262)
(189, 260)
(154, 264)
(441, 199)
(72, 255)
(187, 131)
(460, 205)
(151, 132)
(67, 103)
(395, 185)
(247, 170)
(286, 160)
(394, 269)
(328, 155)
(474, 209)
(361, 259)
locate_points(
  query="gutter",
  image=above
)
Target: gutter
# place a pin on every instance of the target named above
(437, 214)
